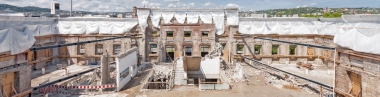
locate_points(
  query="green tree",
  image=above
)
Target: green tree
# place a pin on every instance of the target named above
(326, 15)
(336, 15)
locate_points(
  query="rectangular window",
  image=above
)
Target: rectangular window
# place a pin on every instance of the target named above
(275, 49)
(205, 48)
(169, 48)
(205, 34)
(292, 49)
(133, 45)
(187, 34)
(153, 48)
(154, 32)
(188, 50)
(99, 49)
(223, 45)
(81, 49)
(169, 33)
(116, 49)
(310, 51)
(239, 49)
(257, 49)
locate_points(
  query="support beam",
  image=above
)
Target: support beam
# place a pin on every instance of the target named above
(76, 43)
(295, 43)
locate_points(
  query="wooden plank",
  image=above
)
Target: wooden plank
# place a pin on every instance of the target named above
(7, 84)
(22, 94)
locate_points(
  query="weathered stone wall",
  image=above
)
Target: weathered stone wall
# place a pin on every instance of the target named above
(367, 68)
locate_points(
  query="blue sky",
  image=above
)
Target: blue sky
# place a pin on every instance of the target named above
(246, 5)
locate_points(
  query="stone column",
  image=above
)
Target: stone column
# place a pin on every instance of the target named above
(105, 69)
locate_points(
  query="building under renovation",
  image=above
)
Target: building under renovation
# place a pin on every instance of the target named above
(197, 44)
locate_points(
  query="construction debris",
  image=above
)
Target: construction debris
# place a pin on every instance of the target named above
(161, 72)
(236, 74)
(216, 50)
(305, 65)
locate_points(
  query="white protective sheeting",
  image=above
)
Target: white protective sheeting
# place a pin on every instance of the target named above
(232, 17)
(142, 18)
(5, 41)
(180, 16)
(167, 16)
(281, 27)
(16, 41)
(192, 17)
(91, 27)
(354, 39)
(155, 18)
(374, 18)
(206, 17)
(219, 22)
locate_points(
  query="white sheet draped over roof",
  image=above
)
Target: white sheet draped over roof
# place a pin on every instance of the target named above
(282, 27)
(16, 41)
(372, 18)
(155, 17)
(167, 16)
(142, 18)
(180, 16)
(206, 17)
(232, 17)
(192, 17)
(362, 37)
(91, 27)
(219, 22)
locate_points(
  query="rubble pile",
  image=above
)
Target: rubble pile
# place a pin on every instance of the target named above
(236, 74)
(216, 50)
(279, 80)
(161, 72)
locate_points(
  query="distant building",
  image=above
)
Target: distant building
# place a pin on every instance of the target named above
(54, 8)
(120, 16)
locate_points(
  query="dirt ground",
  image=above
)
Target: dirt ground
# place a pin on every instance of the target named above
(319, 73)
(256, 87)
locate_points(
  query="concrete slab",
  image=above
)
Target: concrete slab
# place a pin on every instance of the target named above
(53, 74)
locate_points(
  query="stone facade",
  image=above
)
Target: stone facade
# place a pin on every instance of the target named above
(366, 66)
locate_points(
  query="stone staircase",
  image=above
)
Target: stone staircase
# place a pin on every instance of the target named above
(179, 74)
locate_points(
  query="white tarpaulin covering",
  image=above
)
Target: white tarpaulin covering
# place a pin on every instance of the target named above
(180, 16)
(232, 17)
(155, 17)
(206, 17)
(362, 37)
(167, 16)
(16, 41)
(143, 16)
(192, 17)
(281, 27)
(219, 22)
(374, 18)
(91, 27)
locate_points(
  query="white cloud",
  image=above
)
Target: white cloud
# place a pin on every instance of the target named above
(190, 4)
(144, 2)
(154, 5)
(232, 6)
(209, 4)
(171, 0)
(172, 5)
(313, 3)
